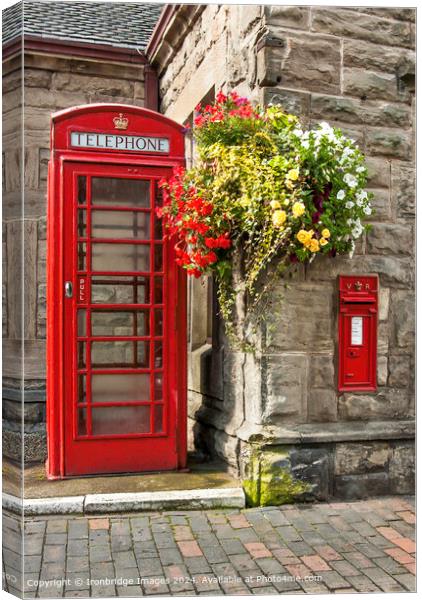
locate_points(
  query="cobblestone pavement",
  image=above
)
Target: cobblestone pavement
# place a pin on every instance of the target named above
(363, 546)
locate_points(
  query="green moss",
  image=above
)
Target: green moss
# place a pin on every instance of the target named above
(280, 487)
(269, 480)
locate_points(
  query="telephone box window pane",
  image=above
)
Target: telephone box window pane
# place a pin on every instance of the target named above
(120, 257)
(124, 323)
(158, 355)
(158, 290)
(81, 389)
(120, 354)
(158, 386)
(108, 289)
(82, 223)
(81, 355)
(82, 323)
(158, 419)
(158, 322)
(115, 420)
(158, 257)
(82, 257)
(158, 228)
(81, 189)
(120, 192)
(120, 388)
(120, 225)
(82, 421)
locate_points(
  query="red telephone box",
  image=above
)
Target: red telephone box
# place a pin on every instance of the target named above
(116, 315)
(358, 333)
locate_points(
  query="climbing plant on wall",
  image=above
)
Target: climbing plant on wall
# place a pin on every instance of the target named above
(264, 193)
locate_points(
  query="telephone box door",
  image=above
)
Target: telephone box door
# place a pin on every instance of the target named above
(120, 322)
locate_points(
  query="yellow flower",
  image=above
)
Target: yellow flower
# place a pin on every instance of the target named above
(286, 202)
(293, 174)
(303, 236)
(279, 217)
(325, 233)
(275, 204)
(323, 242)
(298, 209)
(314, 246)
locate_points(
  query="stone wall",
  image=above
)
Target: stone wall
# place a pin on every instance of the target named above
(278, 417)
(51, 83)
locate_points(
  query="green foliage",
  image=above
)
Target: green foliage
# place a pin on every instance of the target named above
(263, 193)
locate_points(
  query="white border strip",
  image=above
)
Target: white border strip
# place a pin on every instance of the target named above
(128, 502)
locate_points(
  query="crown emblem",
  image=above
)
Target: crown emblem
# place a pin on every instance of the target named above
(120, 122)
(358, 286)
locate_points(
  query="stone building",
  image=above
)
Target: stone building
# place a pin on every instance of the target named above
(277, 419)
(73, 55)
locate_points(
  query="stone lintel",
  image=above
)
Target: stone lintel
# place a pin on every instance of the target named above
(328, 432)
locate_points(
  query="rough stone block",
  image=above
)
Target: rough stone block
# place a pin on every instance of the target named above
(381, 205)
(403, 189)
(385, 404)
(285, 389)
(393, 271)
(355, 458)
(312, 466)
(378, 172)
(397, 144)
(294, 102)
(382, 370)
(399, 370)
(358, 111)
(321, 370)
(385, 238)
(322, 405)
(383, 303)
(403, 318)
(350, 23)
(367, 55)
(89, 84)
(402, 469)
(350, 487)
(373, 85)
(293, 17)
(304, 320)
(306, 62)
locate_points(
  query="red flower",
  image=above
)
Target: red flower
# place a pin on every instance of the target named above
(221, 98)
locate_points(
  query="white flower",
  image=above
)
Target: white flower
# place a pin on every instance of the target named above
(350, 180)
(349, 204)
(360, 169)
(297, 132)
(341, 194)
(348, 151)
(325, 126)
(367, 210)
(361, 195)
(357, 229)
(305, 144)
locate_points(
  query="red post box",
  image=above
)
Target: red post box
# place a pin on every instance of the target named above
(357, 333)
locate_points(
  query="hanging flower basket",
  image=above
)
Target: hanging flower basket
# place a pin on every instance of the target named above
(264, 193)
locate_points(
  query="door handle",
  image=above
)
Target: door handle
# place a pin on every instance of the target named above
(68, 289)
